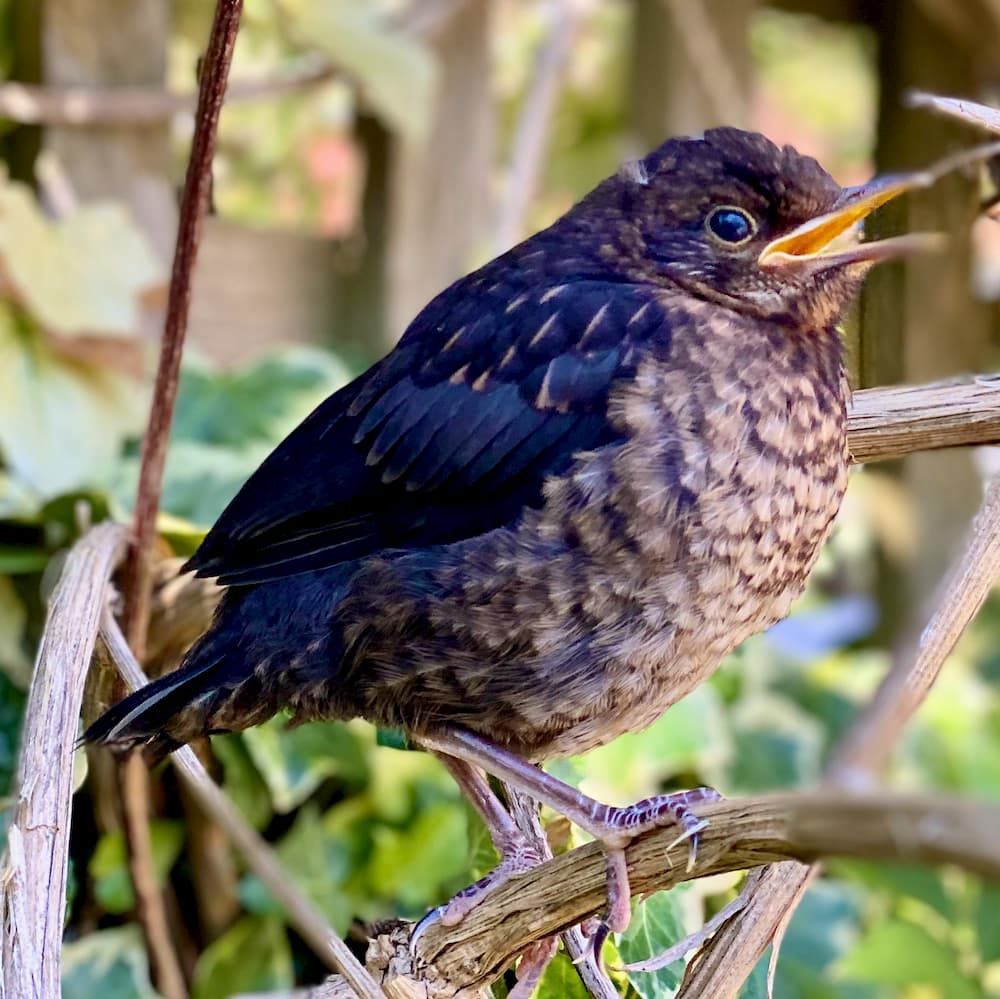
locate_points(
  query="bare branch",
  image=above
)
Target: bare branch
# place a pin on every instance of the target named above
(731, 955)
(741, 834)
(980, 115)
(531, 137)
(33, 880)
(891, 422)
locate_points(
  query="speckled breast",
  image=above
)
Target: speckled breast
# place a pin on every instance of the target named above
(697, 532)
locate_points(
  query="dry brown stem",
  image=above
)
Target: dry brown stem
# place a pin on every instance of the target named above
(731, 955)
(33, 879)
(33, 104)
(133, 781)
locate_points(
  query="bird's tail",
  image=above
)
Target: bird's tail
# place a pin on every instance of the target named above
(149, 717)
(265, 644)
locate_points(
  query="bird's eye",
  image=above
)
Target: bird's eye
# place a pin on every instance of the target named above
(732, 226)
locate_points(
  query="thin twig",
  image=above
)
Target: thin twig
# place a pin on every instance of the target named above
(67, 106)
(33, 879)
(194, 206)
(979, 115)
(260, 858)
(534, 126)
(707, 58)
(731, 955)
(132, 780)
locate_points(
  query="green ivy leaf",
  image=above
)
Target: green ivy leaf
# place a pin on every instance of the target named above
(691, 736)
(923, 883)
(251, 956)
(317, 864)
(656, 925)
(261, 403)
(560, 980)
(16, 560)
(901, 953)
(294, 761)
(412, 865)
(109, 963)
(987, 919)
(108, 866)
(241, 781)
(199, 479)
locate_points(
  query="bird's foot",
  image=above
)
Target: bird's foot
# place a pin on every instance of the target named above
(532, 966)
(517, 856)
(616, 827)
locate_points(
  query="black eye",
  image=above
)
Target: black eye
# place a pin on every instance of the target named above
(731, 225)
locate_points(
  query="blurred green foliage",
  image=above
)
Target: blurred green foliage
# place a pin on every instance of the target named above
(369, 831)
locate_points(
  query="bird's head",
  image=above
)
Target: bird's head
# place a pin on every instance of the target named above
(732, 218)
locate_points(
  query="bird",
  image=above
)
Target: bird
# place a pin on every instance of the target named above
(587, 472)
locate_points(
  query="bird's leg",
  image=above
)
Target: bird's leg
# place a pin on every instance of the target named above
(615, 827)
(517, 852)
(578, 941)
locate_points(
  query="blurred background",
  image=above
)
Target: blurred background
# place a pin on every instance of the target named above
(370, 153)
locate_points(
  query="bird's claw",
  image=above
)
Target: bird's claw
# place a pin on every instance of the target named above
(622, 825)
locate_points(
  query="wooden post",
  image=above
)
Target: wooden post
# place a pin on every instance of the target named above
(919, 319)
(426, 205)
(673, 91)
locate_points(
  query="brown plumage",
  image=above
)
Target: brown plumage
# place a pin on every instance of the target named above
(588, 471)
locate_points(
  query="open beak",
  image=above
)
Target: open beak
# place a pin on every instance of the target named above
(832, 239)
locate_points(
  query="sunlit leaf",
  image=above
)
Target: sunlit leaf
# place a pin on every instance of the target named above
(412, 864)
(242, 782)
(82, 275)
(251, 956)
(317, 864)
(62, 423)
(893, 952)
(109, 868)
(988, 922)
(260, 403)
(561, 981)
(656, 925)
(109, 963)
(397, 74)
(294, 761)
(691, 736)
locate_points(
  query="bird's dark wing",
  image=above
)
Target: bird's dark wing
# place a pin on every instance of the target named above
(492, 389)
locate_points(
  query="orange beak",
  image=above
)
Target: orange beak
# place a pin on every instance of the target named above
(831, 240)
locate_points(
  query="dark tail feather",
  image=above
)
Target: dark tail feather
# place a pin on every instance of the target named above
(143, 717)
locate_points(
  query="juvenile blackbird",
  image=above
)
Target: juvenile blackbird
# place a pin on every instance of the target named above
(586, 473)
